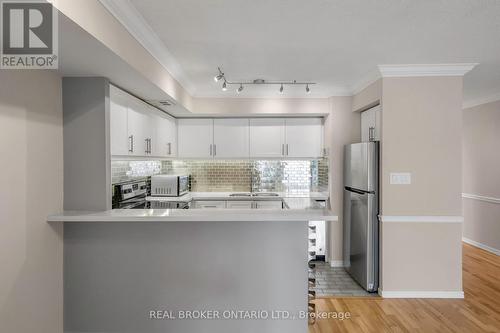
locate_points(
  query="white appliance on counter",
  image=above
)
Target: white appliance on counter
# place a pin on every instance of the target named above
(169, 185)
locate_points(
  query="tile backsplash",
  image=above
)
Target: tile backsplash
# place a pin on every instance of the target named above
(234, 175)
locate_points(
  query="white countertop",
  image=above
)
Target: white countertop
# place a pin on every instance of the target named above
(227, 196)
(194, 215)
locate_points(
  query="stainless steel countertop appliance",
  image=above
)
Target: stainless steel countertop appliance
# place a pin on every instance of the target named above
(131, 194)
(361, 209)
(169, 185)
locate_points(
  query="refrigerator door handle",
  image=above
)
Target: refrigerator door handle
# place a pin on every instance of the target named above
(350, 189)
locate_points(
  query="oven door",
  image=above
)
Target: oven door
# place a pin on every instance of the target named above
(138, 202)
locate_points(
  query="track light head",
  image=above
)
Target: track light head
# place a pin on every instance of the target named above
(281, 89)
(240, 89)
(218, 77)
(224, 86)
(308, 91)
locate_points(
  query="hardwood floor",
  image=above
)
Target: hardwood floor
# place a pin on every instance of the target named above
(479, 311)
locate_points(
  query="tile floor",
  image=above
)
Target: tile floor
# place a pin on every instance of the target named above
(335, 281)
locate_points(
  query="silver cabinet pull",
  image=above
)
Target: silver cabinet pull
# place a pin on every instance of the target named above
(150, 145)
(215, 150)
(371, 133)
(147, 146)
(283, 149)
(131, 144)
(169, 148)
(287, 149)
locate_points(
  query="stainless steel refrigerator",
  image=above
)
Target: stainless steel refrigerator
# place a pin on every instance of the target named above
(361, 207)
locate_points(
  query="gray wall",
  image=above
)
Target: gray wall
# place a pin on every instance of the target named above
(87, 166)
(115, 273)
(31, 174)
(481, 176)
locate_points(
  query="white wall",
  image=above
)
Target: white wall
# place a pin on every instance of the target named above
(342, 127)
(260, 105)
(422, 135)
(31, 174)
(481, 176)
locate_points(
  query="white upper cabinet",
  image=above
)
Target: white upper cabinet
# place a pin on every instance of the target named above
(120, 142)
(231, 138)
(195, 138)
(370, 124)
(165, 144)
(304, 137)
(267, 137)
(138, 128)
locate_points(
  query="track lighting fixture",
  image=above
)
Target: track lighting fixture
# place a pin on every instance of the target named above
(221, 76)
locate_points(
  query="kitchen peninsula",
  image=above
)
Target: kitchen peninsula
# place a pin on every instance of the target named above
(127, 263)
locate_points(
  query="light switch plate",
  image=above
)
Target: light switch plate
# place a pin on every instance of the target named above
(400, 178)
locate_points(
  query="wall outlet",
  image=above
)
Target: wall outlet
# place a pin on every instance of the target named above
(400, 178)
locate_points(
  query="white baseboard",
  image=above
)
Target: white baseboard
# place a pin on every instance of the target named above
(481, 246)
(336, 263)
(421, 294)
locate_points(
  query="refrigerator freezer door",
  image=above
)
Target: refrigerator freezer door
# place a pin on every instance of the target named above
(361, 233)
(361, 166)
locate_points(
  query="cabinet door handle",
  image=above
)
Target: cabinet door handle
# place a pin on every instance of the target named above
(131, 144)
(371, 133)
(170, 148)
(147, 146)
(287, 149)
(215, 150)
(283, 149)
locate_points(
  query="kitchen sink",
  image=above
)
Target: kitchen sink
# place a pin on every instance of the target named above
(265, 194)
(240, 195)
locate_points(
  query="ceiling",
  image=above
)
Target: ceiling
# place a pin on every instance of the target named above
(336, 43)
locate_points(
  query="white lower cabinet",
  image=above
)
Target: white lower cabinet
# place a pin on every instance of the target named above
(209, 204)
(274, 204)
(239, 204)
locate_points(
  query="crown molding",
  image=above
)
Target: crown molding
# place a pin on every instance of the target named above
(425, 70)
(125, 12)
(482, 100)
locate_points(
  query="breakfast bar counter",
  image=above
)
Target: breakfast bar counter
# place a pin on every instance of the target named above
(137, 270)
